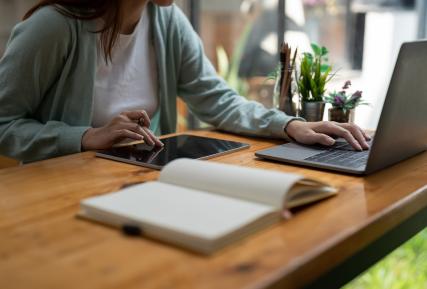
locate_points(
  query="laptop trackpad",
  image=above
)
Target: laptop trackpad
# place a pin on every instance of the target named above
(295, 151)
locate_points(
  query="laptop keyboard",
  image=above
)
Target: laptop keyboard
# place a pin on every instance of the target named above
(342, 154)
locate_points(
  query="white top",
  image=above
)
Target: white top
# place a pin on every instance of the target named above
(130, 82)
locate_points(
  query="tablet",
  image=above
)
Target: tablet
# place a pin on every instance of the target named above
(180, 146)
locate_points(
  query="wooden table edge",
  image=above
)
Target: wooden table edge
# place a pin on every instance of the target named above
(280, 275)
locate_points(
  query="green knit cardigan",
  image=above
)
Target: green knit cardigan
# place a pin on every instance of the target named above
(47, 83)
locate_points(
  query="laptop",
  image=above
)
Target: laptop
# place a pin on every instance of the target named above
(401, 131)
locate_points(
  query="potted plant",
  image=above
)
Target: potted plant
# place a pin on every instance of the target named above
(311, 83)
(343, 106)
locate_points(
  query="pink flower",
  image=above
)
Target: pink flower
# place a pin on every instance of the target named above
(346, 84)
(339, 100)
(358, 95)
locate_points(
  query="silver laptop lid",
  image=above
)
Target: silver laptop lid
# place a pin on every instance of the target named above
(402, 128)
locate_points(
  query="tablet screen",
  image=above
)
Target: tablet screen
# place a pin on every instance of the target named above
(181, 146)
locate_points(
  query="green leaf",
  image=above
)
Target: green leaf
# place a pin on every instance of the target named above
(324, 67)
(353, 97)
(318, 69)
(326, 59)
(333, 94)
(316, 49)
(324, 51)
(308, 55)
(315, 92)
(345, 98)
(273, 74)
(331, 75)
(270, 78)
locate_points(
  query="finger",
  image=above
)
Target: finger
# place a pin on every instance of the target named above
(365, 135)
(139, 130)
(334, 129)
(137, 115)
(119, 140)
(157, 142)
(356, 132)
(310, 137)
(124, 133)
(321, 138)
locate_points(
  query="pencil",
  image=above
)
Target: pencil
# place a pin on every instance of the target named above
(282, 72)
(285, 78)
(291, 70)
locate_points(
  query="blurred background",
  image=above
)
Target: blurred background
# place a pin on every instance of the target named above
(242, 37)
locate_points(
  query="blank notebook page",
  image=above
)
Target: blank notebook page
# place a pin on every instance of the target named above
(188, 211)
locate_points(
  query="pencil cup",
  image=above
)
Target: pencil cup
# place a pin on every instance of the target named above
(284, 102)
(278, 85)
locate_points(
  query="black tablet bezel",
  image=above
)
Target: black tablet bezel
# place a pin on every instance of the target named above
(180, 146)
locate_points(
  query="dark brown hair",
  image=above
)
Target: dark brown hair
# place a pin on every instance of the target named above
(89, 10)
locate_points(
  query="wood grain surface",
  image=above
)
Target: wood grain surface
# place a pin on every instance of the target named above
(43, 244)
(7, 163)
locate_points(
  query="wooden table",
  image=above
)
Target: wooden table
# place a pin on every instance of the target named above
(43, 244)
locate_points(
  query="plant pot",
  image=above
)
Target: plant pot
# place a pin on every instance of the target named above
(312, 110)
(337, 114)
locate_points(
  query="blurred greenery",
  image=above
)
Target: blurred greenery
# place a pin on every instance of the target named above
(404, 268)
(230, 70)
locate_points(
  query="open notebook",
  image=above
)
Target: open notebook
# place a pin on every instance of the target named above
(204, 205)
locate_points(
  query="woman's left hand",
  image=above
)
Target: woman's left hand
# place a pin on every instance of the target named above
(324, 132)
(122, 127)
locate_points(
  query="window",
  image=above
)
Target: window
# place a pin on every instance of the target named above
(241, 39)
(363, 37)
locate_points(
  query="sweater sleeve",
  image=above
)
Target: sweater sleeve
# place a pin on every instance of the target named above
(35, 56)
(211, 100)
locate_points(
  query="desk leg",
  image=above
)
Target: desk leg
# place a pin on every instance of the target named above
(361, 261)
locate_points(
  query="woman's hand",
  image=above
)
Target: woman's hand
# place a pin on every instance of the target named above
(120, 129)
(324, 132)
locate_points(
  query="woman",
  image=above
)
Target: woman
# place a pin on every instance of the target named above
(78, 75)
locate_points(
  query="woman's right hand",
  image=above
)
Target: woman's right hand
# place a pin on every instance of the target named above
(123, 127)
